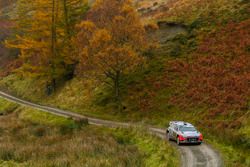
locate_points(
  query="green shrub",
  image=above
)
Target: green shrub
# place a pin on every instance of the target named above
(68, 128)
(40, 131)
(81, 122)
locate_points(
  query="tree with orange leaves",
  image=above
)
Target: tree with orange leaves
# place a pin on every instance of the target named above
(109, 42)
(44, 31)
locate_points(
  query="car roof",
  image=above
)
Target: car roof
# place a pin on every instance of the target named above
(181, 123)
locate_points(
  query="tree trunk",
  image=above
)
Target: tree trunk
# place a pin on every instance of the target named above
(53, 30)
(53, 43)
(117, 90)
(66, 18)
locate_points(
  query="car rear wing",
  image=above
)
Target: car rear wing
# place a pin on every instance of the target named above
(178, 123)
(171, 123)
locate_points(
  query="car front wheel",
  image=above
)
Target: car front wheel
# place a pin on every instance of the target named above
(168, 137)
(178, 141)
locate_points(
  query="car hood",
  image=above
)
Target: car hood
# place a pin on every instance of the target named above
(191, 134)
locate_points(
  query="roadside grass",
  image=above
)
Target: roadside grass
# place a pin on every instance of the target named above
(39, 145)
(39, 117)
(11, 164)
(23, 87)
(232, 156)
(6, 107)
(157, 153)
(232, 143)
(32, 138)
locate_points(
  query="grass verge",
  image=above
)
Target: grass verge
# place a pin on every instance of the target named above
(33, 138)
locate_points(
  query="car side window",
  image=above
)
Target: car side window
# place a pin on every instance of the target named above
(176, 128)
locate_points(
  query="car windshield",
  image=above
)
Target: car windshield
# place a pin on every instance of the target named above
(185, 129)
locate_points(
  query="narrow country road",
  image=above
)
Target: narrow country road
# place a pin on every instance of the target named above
(192, 156)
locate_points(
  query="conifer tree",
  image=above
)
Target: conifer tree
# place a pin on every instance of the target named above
(44, 29)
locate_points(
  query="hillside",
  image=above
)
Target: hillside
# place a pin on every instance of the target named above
(199, 71)
(31, 138)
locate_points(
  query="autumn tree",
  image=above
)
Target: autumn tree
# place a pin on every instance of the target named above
(44, 29)
(73, 11)
(109, 42)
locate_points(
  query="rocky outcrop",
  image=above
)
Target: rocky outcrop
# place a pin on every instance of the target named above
(167, 31)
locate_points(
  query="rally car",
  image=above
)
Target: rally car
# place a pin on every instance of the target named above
(183, 132)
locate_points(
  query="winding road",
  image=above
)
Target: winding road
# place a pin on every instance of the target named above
(191, 155)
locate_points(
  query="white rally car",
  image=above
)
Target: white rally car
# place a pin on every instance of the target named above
(183, 132)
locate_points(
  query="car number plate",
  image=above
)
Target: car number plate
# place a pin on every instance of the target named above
(192, 140)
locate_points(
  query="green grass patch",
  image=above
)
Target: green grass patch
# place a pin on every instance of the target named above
(231, 154)
(44, 118)
(157, 152)
(28, 88)
(7, 107)
(10, 164)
